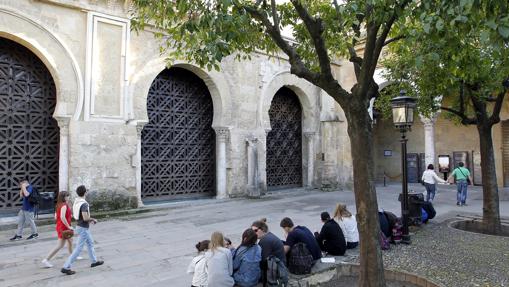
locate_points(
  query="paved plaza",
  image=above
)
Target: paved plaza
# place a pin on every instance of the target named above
(154, 248)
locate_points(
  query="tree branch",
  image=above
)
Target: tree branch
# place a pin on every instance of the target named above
(397, 38)
(316, 29)
(495, 115)
(464, 119)
(274, 14)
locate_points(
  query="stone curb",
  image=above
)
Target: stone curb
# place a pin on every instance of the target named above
(352, 270)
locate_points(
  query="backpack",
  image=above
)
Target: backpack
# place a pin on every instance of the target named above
(391, 218)
(384, 242)
(277, 273)
(300, 259)
(424, 217)
(34, 196)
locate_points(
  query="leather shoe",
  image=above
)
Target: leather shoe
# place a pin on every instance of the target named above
(97, 263)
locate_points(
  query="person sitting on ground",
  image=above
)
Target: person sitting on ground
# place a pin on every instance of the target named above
(348, 225)
(228, 244)
(296, 234)
(331, 239)
(384, 224)
(197, 265)
(219, 263)
(271, 245)
(246, 260)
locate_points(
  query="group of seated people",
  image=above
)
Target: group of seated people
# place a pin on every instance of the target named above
(219, 264)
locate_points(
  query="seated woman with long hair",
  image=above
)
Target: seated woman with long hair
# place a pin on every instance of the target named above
(348, 225)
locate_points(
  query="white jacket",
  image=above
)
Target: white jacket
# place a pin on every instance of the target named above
(349, 227)
(197, 267)
(429, 176)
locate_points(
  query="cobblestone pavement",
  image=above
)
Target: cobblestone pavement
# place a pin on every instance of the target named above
(153, 249)
(453, 257)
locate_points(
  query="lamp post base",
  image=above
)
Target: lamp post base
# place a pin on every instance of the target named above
(405, 239)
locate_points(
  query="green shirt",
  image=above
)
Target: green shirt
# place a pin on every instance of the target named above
(460, 173)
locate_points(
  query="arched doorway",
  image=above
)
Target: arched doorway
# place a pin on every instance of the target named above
(178, 143)
(284, 141)
(29, 135)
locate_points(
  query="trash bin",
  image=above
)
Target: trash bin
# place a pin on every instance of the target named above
(415, 202)
(46, 203)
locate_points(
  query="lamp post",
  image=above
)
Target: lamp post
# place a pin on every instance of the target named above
(403, 118)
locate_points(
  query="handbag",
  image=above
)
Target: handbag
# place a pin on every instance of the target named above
(66, 234)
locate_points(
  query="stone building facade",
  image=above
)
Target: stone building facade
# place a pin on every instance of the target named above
(133, 130)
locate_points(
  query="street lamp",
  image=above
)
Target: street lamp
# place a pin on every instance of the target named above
(403, 118)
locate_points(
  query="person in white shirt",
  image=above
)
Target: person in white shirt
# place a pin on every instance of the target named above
(348, 225)
(430, 179)
(219, 263)
(197, 267)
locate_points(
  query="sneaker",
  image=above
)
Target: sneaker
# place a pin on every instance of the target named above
(33, 236)
(464, 204)
(457, 203)
(46, 263)
(16, 237)
(67, 271)
(97, 263)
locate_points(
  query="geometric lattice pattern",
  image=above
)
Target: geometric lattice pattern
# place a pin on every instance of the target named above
(29, 136)
(178, 143)
(284, 141)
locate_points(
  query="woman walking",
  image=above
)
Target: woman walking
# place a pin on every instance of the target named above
(63, 217)
(348, 225)
(430, 179)
(219, 263)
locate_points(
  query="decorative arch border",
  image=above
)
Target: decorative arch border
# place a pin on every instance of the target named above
(61, 63)
(306, 93)
(308, 97)
(215, 82)
(63, 67)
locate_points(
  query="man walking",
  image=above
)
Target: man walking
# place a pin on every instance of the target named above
(81, 212)
(26, 213)
(462, 176)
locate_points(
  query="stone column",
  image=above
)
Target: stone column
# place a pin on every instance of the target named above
(310, 157)
(63, 160)
(137, 162)
(429, 138)
(222, 134)
(252, 167)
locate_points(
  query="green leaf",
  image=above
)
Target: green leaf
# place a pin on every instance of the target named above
(491, 24)
(503, 31)
(440, 24)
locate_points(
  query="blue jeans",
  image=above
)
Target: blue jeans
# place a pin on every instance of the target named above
(84, 237)
(430, 191)
(462, 191)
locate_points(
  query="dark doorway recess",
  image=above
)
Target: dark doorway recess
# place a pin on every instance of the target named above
(284, 141)
(29, 135)
(178, 143)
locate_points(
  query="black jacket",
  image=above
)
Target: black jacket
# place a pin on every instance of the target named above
(331, 238)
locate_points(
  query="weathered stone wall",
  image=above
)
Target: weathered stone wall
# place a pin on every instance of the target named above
(103, 73)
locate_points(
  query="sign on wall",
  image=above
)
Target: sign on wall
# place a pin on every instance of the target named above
(444, 163)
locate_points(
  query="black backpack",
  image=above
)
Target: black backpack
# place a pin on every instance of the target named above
(300, 259)
(277, 273)
(34, 196)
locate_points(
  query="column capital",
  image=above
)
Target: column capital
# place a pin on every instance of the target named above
(223, 133)
(429, 120)
(252, 140)
(63, 124)
(139, 128)
(309, 135)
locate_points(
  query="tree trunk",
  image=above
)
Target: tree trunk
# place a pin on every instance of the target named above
(361, 141)
(491, 212)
